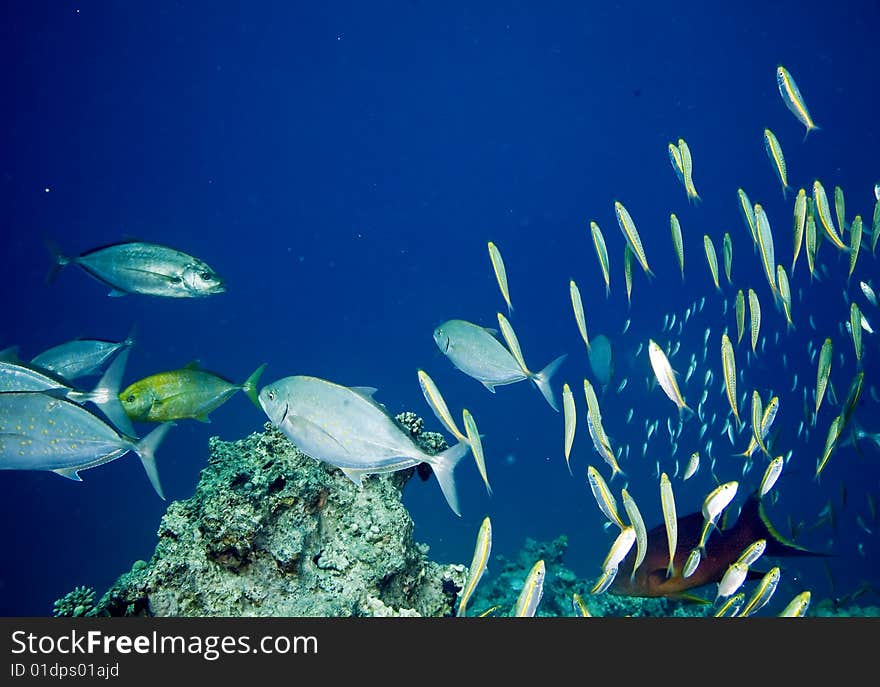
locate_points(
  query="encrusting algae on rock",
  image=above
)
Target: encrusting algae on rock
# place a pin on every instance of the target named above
(273, 532)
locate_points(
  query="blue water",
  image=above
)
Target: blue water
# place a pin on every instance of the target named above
(343, 165)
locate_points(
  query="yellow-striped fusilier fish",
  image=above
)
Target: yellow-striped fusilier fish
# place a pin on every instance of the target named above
(604, 498)
(638, 524)
(189, 392)
(597, 432)
(478, 564)
(570, 416)
(754, 318)
(438, 405)
(578, 306)
(855, 243)
(855, 326)
(500, 274)
(774, 152)
(602, 254)
(757, 416)
(765, 246)
(620, 547)
(712, 259)
(628, 272)
(834, 430)
(797, 607)
(531, 593)
(728, 366)
(628, 227)
(800, 223)
(771, 475)
(687, 166)
(823, 370)
(762, 593)
(767, 419)
(793, 99)
(740, 307)
(675, 161)
(670, 521)
(475, 351)
(839, 208)
(580, 608)
(810, 243)
(666, 378)
(476, 443)
(748, 213)
(713, 505)
(677, 241)
(820, 200)
(784, 289)
(728, 255)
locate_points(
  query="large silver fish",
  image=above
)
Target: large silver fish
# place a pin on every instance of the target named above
(345, 427)
(42, 431)
(16, 375)
(80, 357)
(146, 268)
(475, 351)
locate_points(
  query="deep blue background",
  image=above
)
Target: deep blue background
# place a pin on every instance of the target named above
(343, 165)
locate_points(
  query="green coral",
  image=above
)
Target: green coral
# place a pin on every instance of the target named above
(75, 604)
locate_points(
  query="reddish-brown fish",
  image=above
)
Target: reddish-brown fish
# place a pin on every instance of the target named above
(722, 549)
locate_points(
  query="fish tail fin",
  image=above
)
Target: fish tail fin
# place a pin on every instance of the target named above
(685, 412)
(250, 385)
(670, 570)
(131, 338)
(443, 464)
(814, 127)
(542, 380)
(59, 259)
(105, 395)
(607, 290)
(146, 450)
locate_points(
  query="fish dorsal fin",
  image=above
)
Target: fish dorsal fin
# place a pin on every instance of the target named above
(192, 365)
(10, 354)
(491, 330)
(365, 391)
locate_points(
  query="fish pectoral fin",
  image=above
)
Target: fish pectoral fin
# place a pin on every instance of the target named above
(309, 426)
(69, 473)
(202, 418)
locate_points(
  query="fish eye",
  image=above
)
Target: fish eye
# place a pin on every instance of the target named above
(207, 276)
(130, 399)
(271, 395)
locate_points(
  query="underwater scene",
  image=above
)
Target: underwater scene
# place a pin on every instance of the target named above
(440, 309)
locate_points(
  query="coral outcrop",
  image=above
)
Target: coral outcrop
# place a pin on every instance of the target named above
(273, 532)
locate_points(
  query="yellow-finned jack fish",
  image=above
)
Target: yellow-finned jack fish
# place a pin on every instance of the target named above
(774, 152)
(476, 443)
(712, 259)
(666, 378)
(602, 254)
(820, 201)
(628, 227)
(793, 99)
(531, 593)
(478, 564)
(570, 413)
(670, 520)
(728, 366)
(677, 242)
(500, 274)
(578, 306)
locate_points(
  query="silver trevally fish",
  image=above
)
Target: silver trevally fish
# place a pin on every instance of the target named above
(475, 351)
(345, 427)
(16, 375)
(42, 431)
(80, 357)
(146, 268)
